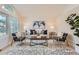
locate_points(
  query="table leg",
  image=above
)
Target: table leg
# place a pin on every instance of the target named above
(30, 42)
(46, 42)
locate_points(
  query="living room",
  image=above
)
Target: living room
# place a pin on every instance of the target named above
(37, 27)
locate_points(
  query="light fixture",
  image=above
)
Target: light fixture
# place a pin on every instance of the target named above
(52, 27)
(3, 7)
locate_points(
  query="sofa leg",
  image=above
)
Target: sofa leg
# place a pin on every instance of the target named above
(0, 50)
(47, 42)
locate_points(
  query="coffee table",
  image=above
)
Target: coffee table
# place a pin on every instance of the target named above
(39, 38)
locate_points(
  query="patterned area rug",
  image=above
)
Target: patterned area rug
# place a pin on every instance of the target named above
(37, 50)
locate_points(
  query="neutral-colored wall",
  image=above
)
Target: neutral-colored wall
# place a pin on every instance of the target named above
(49, 22)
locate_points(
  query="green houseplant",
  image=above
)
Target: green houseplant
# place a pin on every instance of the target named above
(73, 21)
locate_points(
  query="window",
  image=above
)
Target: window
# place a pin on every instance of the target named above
(14, 25)
(10, 9)
(2, 24)
(11, 24)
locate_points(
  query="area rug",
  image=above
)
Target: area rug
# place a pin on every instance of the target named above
(38, 50)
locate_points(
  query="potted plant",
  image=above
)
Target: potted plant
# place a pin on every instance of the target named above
(73, 21)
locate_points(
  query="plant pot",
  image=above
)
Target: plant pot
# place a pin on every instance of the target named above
(77, 48)
(76, 40)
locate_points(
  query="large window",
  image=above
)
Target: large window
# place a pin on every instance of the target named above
(8, 24)
(12, 19)
(14, 26)
(11, 24)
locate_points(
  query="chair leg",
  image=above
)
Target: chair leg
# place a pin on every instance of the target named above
(12, 42)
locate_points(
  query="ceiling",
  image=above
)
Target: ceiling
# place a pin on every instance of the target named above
(50, 10)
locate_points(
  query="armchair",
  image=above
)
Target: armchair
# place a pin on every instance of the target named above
(15, 38)
(64, 37)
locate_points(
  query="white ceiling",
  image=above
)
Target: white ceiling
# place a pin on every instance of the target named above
(50, 10)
